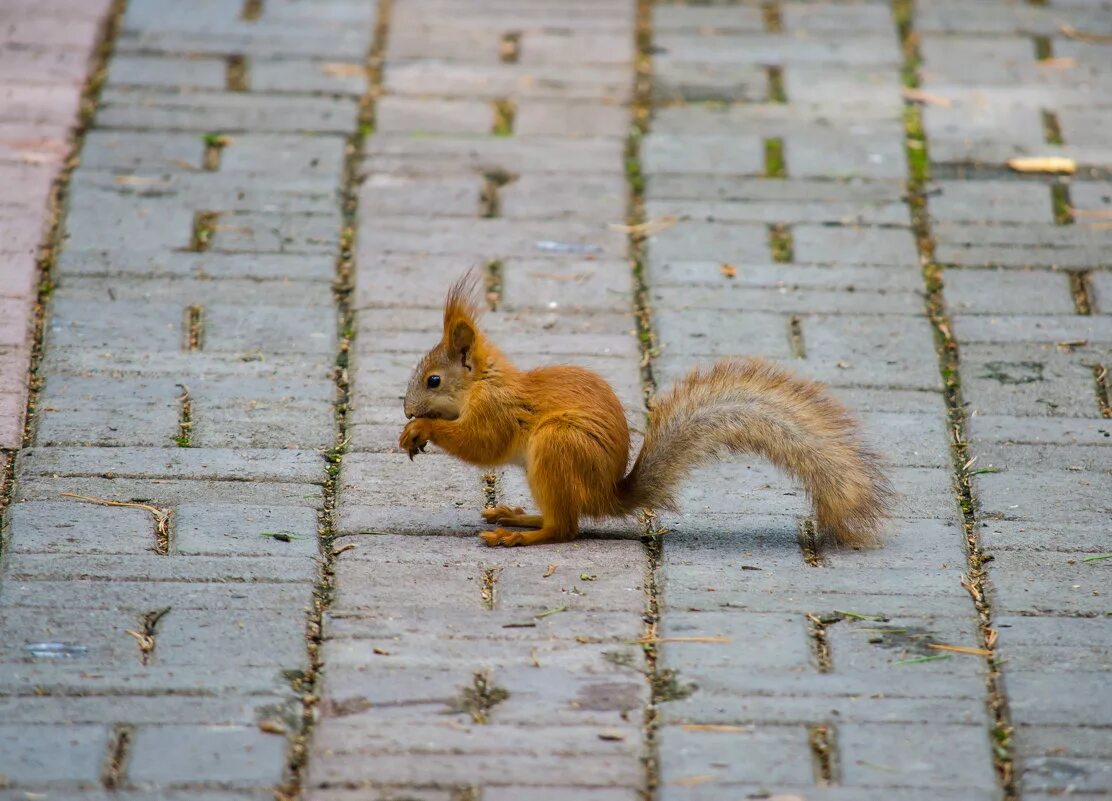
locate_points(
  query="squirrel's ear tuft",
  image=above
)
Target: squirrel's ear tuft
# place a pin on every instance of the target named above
(461, 310)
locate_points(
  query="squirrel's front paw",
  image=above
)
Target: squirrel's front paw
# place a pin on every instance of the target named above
(415, 436)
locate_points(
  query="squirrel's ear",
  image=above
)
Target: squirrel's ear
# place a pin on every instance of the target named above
(462, 339)
(460, 311)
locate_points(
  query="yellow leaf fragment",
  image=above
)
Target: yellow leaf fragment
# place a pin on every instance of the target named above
(341, 70)
(272, 726)
(959, 649)
(1051, 164)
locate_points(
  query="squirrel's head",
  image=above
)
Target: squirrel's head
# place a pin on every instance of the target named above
(440, 383)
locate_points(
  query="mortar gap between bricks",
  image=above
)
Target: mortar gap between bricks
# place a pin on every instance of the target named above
(975, 580)
(1044, 49)
(1052, 129)
(662, 685)
(214, 151)
(795, 337)
(780, 243)
(488, 586)
(147, 633)
(116, 758)
(478, 699)
(1080, 292)
(490, 197)
(509, 47)
(204, 225)
(184, 438)
(505, 110)
(809, 544)
(820, 643)
(775, 78)
(1100, 379)
(492, 283)
(1060, 203)
(308, 684)
(194, 327)
(774, 164)
(822, 740)
(251, 10)
(771, 17)
(236, 73)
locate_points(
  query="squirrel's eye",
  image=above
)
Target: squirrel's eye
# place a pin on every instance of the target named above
(433, 381)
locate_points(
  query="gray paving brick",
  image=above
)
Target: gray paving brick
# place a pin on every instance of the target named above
(1050, 329)
(735, 297)
(64, 527)
(990, 201)
(485, 238)
(1042, 536)
(1035, 703)
(694, 82)
(853, 245)
(959, 757)
(493, 81)
(185, 463)
(169, 755)
(171, 264)
(788, 277)
(332, 77)
(788, 201)
(171, 492)
(437, 155)
(147, 110)
(1035, 380)
(129, 70)
(758, 49)
(1013, 495)
(203, 529)
(1075, 458)
(105, 710)
(1008, 292)
(777, 755)
(669, 153)
(34, 754)
(151, 567)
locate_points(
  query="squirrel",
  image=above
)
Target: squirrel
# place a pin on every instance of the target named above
(567, 428)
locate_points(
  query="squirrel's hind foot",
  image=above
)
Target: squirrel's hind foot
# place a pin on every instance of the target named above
(494, 514)
(503, 536)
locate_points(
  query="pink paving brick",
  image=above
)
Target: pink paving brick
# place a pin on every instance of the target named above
(32, 146)
(21, 230)
(12, 407)
(71, 9)
(18, 274)
(45, 49)
(38, 104)
(67, 32)
(15, 322)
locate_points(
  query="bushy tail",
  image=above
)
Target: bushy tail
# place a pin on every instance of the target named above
(754, 406)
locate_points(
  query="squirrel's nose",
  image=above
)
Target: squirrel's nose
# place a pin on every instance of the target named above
(408, 416)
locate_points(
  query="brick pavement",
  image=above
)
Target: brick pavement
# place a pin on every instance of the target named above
(248, 159)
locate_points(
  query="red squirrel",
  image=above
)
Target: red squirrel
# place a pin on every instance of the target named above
(566, 426)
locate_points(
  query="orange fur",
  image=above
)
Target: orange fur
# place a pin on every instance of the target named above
(567, 428)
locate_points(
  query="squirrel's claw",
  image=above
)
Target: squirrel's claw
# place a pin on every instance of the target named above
(412, 441)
